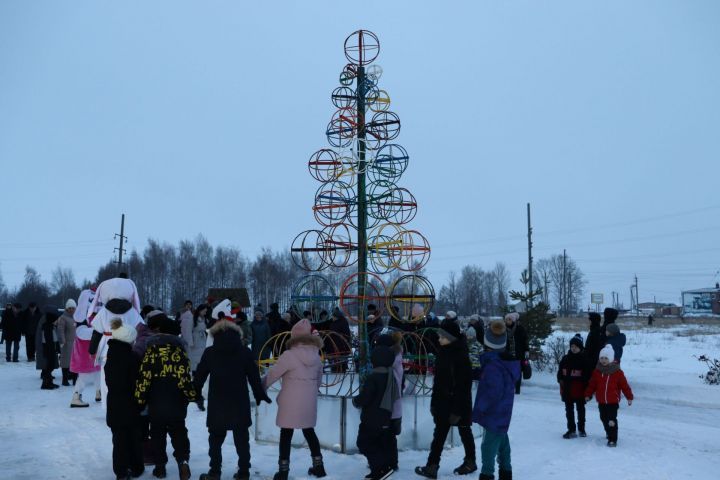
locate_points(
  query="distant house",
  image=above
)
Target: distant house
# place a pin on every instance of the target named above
(659, 309)
(702, 301)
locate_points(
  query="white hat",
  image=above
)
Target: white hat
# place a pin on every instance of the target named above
(607, 352)
(451, 315)
(514, 316)
(70, 304)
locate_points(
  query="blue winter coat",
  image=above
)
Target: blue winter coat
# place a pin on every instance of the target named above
(496, 391)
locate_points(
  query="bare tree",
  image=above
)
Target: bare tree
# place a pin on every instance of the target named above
(501, 279)
(63, 285)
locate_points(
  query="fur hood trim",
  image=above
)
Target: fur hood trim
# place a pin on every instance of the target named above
(223, 325)
(312, 340)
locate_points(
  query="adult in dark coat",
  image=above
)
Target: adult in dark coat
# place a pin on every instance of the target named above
(123, 414)
(593, 341)
(261, 333)
(518, 347)
(451, 401)
(274, 318)
(30, 320)
(338, 342)
(12, 332)
(231, 367)
(46, 358)
(609, 317)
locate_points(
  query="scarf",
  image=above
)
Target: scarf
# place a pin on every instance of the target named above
(608, 369)
(392, 392)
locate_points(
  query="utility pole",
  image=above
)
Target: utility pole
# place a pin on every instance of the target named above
(637, 298)
(563, 300)
(120, 249)
(530, 258)
(545, 290)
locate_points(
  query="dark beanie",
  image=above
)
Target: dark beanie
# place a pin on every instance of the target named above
(594, 318)
(610, 315)
(577, 340)
(450, 329)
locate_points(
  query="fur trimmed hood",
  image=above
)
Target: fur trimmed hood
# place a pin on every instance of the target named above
(311, 340)
(225, 325)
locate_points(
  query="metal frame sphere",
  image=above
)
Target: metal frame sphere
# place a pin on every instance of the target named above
(362, 47)
(411, 251)
(308, 250)
(390, 163)
(315, 294)
(325, 165)
(352, 303)
(410, 298)
(334, 202)
(341, 249)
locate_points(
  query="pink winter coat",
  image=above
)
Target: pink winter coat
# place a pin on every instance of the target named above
(80, 360)
(300, 369)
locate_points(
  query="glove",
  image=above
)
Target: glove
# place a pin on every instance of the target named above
(200, 403)
(629, 403)
(264, 398)
(454, 419)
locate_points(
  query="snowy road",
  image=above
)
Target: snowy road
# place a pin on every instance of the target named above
(671, 431)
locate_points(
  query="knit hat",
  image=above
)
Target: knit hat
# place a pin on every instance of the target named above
(514, 316)
(301, 328)
(496, 335)
(451, 315)
(594, 318)
(122, 332)
(610, 315)
(577, 340)
(612, 329)
(70, 304)
(607, 352)
(449, 329)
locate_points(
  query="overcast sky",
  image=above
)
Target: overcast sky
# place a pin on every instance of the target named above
(199, 117)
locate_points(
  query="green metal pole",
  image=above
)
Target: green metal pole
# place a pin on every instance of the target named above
(361, 218)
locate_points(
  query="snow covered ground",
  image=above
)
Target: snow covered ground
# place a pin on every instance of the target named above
(671, 431)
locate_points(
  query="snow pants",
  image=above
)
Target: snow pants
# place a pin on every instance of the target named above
(178, 437)
(608, 417)
(127, 449)
(376, 444)
(241, 436)
(495, 445)
(440, 435)
(570, 406)
(83, 379)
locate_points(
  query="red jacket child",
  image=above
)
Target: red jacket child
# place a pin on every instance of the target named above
(607, 381)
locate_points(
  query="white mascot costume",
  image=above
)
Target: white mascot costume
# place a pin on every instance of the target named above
(116, 298)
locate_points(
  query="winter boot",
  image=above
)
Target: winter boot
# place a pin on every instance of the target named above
(65, 377)
(98, 396)
(611, 443)
(159, 471)
(283, 470)
(569, 434)
(123, 477)
(317, 469)
(468, 466)
(210, 476)
(381, 474)
(486, 477)
(135, 473)
(505, 474)
(429, 471)
(582, 433)
(184, 470)
(77, 401)
(245, 475)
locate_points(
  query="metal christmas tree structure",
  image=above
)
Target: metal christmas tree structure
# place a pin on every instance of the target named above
(362, 211)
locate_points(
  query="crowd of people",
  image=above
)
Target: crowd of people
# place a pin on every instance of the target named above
(147, 367)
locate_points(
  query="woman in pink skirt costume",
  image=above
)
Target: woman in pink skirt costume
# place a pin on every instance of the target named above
(81, 362)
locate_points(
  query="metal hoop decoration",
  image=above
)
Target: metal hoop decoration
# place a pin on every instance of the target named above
(411, 251)
(390, 163)
(334, 201)
(387, 123)
(362, 47)
(352, 303)
(402, 206)
(380, 199)
(380, 245)
(374, 72)
(342, 128)
(410, 298)
(309, 251)
(381, 102)
(324, 165)
(343, 97)
(341, 248)
(314, 294)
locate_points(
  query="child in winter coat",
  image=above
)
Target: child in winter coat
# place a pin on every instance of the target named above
(231, 367)
(494, 401)
(164, 384)
(394, 341)
(451, 401)
(616, 339)
(606, 383)
(573, 375)
(300, 369)
(123, 415)
(376, 399)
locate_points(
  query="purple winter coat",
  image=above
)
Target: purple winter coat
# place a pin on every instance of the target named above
(496, 391)
(300, 369)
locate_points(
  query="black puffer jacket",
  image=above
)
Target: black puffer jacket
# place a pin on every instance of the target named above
(373, 390)
(121, 372)
(452, 387)
(231, 366)
(11, 324)
(593, 342)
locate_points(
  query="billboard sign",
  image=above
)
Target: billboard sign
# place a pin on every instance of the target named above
(597, 298)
